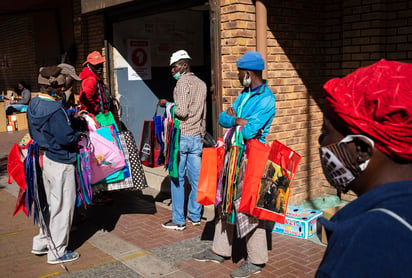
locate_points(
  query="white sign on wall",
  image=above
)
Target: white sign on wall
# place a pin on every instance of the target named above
(138, 56)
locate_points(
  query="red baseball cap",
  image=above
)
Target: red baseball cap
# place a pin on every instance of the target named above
(94, 58)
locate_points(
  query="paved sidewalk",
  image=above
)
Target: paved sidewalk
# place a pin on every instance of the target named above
(125, 239)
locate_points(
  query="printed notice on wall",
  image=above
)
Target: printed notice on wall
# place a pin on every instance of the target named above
(138, 56)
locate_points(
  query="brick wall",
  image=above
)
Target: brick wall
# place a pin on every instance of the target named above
(18, 47)
(89, 30)
(89, 33)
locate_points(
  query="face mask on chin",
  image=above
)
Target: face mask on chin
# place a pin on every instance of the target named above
(177, 75)
(338, 166)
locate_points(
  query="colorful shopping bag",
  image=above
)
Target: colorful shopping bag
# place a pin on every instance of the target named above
(149, 145)
(267, 196)
(106, 157)
(106, 119)
(257, 154)
(210, 167)
(274, 188)
(110, 133)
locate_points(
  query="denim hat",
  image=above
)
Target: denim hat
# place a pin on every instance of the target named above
(251, 60)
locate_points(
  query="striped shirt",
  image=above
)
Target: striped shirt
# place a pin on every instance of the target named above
(190, 98)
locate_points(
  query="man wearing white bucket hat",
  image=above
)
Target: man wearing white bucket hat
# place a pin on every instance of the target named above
(190, 109)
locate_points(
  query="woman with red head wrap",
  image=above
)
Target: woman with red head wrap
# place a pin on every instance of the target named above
(366, 147)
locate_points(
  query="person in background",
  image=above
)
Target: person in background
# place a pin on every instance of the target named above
(21, 104)
(366, 147)
(253, 111)
(93, 97)
(70, 74)
(50, 127)
(189, 97)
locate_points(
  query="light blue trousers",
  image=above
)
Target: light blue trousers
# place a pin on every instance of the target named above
(189, 159)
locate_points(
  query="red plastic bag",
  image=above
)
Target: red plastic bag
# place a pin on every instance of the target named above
(212, 160)
(15, 169)
(257, 155)
(269, 195)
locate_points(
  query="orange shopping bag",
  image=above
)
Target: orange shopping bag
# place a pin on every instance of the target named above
(212, 159)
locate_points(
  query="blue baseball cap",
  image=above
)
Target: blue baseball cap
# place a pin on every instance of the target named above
(251, 60)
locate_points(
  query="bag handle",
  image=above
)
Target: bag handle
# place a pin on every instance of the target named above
(155, 113)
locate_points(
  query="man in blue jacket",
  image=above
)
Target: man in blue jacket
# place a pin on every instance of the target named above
(50, 127)
(251, 113)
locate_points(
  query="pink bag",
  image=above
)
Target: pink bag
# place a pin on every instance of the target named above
(105, 157)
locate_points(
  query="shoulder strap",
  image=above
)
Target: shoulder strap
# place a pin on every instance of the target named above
(395, 216)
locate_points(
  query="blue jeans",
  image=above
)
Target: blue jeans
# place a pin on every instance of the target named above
(190, 152)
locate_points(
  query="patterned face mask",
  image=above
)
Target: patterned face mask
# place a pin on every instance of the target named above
(338, 165)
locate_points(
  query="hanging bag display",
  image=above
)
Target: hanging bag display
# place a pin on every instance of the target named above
(227, 191)
(172, 139)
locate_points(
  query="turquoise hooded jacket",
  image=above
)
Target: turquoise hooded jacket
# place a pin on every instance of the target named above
(259, 110)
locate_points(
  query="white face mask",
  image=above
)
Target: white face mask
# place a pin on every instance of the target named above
(246, 81)
(338, 166)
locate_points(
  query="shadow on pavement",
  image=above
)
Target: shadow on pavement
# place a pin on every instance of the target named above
(105, 216)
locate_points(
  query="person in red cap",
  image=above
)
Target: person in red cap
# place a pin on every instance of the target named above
(93, 96)
(94, 99)
(366, 147)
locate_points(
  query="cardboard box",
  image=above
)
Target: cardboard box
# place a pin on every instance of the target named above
(299, 222)
(328, 213)
(3, 117)
(21, 121)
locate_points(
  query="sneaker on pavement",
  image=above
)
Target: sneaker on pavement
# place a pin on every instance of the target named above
(41, 252)
(68, 257)
(245, 270)
(173, 226)
(194, 223)
(208, 256)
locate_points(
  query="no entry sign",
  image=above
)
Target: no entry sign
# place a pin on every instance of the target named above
(138, 56)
